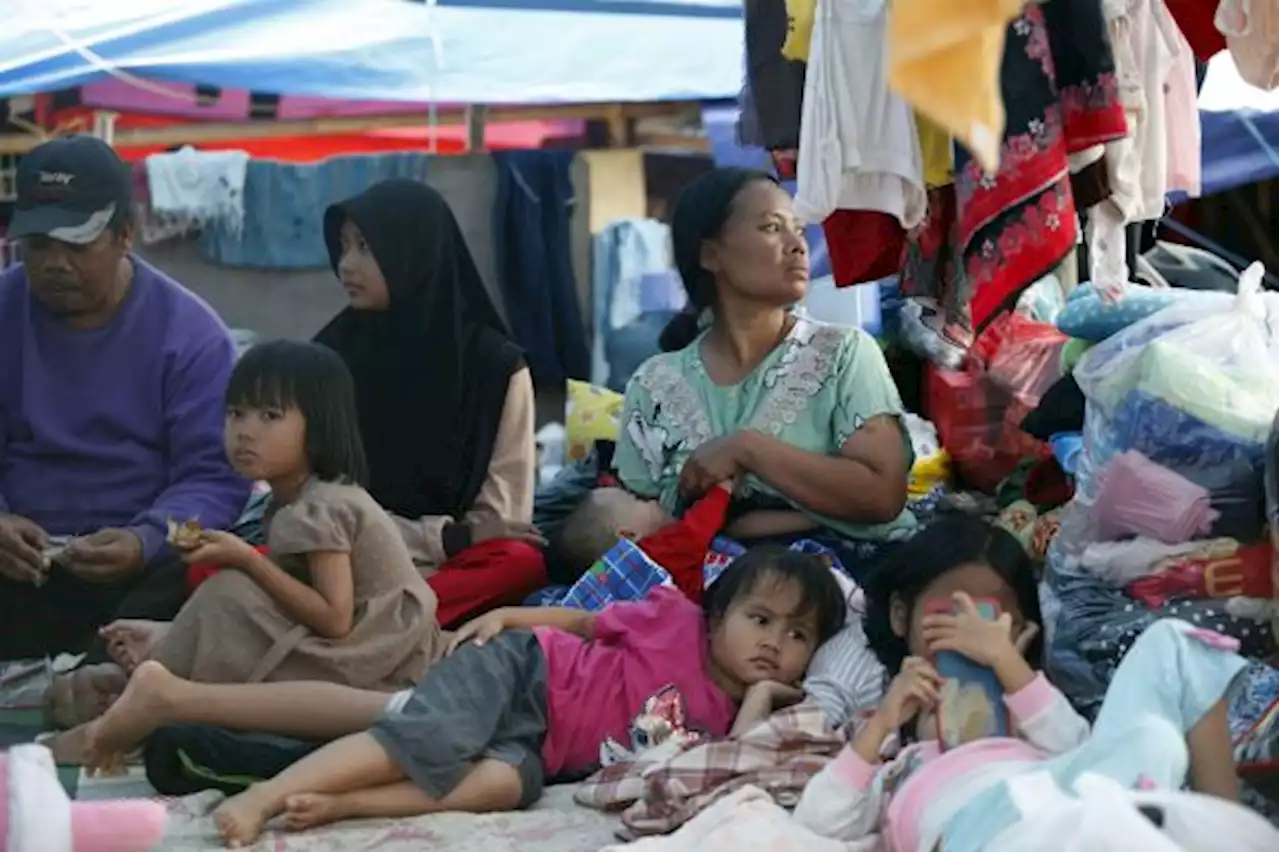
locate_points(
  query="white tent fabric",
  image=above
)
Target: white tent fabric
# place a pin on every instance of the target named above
(464, 51)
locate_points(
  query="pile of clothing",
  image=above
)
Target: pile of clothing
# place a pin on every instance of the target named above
(1169, 514)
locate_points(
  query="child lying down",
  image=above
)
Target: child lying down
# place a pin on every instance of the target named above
(526, 693)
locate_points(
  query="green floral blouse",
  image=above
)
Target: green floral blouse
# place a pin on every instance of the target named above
(813, 391)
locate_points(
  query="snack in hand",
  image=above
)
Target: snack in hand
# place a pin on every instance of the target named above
(187, 535)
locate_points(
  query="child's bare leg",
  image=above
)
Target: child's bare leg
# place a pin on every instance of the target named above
(491, 785)
(154, 697)
(355, 762)
(1213, 768)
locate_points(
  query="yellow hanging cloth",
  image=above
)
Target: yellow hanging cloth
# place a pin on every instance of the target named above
(944, 60)
(799, 29)
(937, 152)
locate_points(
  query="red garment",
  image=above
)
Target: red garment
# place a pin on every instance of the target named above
(482, 577)
(1195, 19)
(201, 571)
(1197, 575)
(864, 245)
(681, 546)
(486, 576)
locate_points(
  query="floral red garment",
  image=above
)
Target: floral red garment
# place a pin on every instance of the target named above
(1060, 94)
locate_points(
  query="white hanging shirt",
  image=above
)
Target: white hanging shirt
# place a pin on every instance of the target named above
(858, 143)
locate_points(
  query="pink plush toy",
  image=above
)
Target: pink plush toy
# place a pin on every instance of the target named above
(37, 816)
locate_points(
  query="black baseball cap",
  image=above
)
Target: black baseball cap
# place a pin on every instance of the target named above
(69, 189)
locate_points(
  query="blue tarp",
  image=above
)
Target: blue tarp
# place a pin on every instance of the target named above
(451, 51)
(1238, 148)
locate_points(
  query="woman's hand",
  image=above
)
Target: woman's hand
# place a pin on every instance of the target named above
(220, 548)
(496, 529)
(966, 632)
(718, 460)
(478, 630)
(914, 689)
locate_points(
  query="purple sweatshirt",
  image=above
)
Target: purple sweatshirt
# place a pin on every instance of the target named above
(120, 426)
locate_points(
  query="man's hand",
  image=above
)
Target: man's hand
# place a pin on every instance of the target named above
(107, 556)
(22, 545)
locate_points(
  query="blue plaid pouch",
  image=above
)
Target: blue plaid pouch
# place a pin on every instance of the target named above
(625, 573)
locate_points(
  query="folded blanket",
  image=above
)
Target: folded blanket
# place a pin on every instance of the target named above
(662, 791)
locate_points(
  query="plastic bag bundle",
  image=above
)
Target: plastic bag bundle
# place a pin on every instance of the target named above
(1191, 388)
(1137, 497)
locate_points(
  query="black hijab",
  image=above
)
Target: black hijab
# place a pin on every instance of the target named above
(432, 371)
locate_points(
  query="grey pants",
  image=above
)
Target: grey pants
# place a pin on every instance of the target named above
(486, 701)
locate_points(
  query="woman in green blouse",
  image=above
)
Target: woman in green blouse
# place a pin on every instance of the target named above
(804, 416)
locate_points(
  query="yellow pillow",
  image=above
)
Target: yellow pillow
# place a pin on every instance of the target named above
(591, 414)
(927, 473)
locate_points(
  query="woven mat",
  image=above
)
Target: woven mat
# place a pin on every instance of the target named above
(556, 824)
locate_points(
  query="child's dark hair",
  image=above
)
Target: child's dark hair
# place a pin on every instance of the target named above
(313, 379)
(948, 543)
(819, 591)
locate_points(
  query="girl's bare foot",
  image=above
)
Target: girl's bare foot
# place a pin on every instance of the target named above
(130, 640)
(139, 710)
(311, 810)
(241, 818)
(69, 748)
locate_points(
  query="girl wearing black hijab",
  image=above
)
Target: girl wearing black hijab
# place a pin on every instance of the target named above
(445, 399)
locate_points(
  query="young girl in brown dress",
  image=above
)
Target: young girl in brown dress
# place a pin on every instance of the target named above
(339, 599)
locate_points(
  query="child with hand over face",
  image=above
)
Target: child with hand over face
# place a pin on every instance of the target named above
(1163, 722)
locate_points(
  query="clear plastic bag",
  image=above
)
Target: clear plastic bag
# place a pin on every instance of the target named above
(1192, 388)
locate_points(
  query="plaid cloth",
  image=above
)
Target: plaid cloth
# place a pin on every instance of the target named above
(723, 551)
(625, 573)
(661, 793)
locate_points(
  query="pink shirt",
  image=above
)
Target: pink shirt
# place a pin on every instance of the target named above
(595, 689)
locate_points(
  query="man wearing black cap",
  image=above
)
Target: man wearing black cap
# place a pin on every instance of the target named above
(112, 379)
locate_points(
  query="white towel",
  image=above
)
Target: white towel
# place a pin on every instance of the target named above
(197, 189)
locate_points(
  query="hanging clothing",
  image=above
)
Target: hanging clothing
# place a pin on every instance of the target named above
(858, 145)
(1252, 30)
(799, 29)
(280, 204)
(938, 150)
(776, 83)
(635, 292)
(1195, 20)
(197, 189)
(1155, 73)
(532, 211)
(1059, 87)
(944, 59)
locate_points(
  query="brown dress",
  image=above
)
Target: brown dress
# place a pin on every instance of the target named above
(231, 631)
